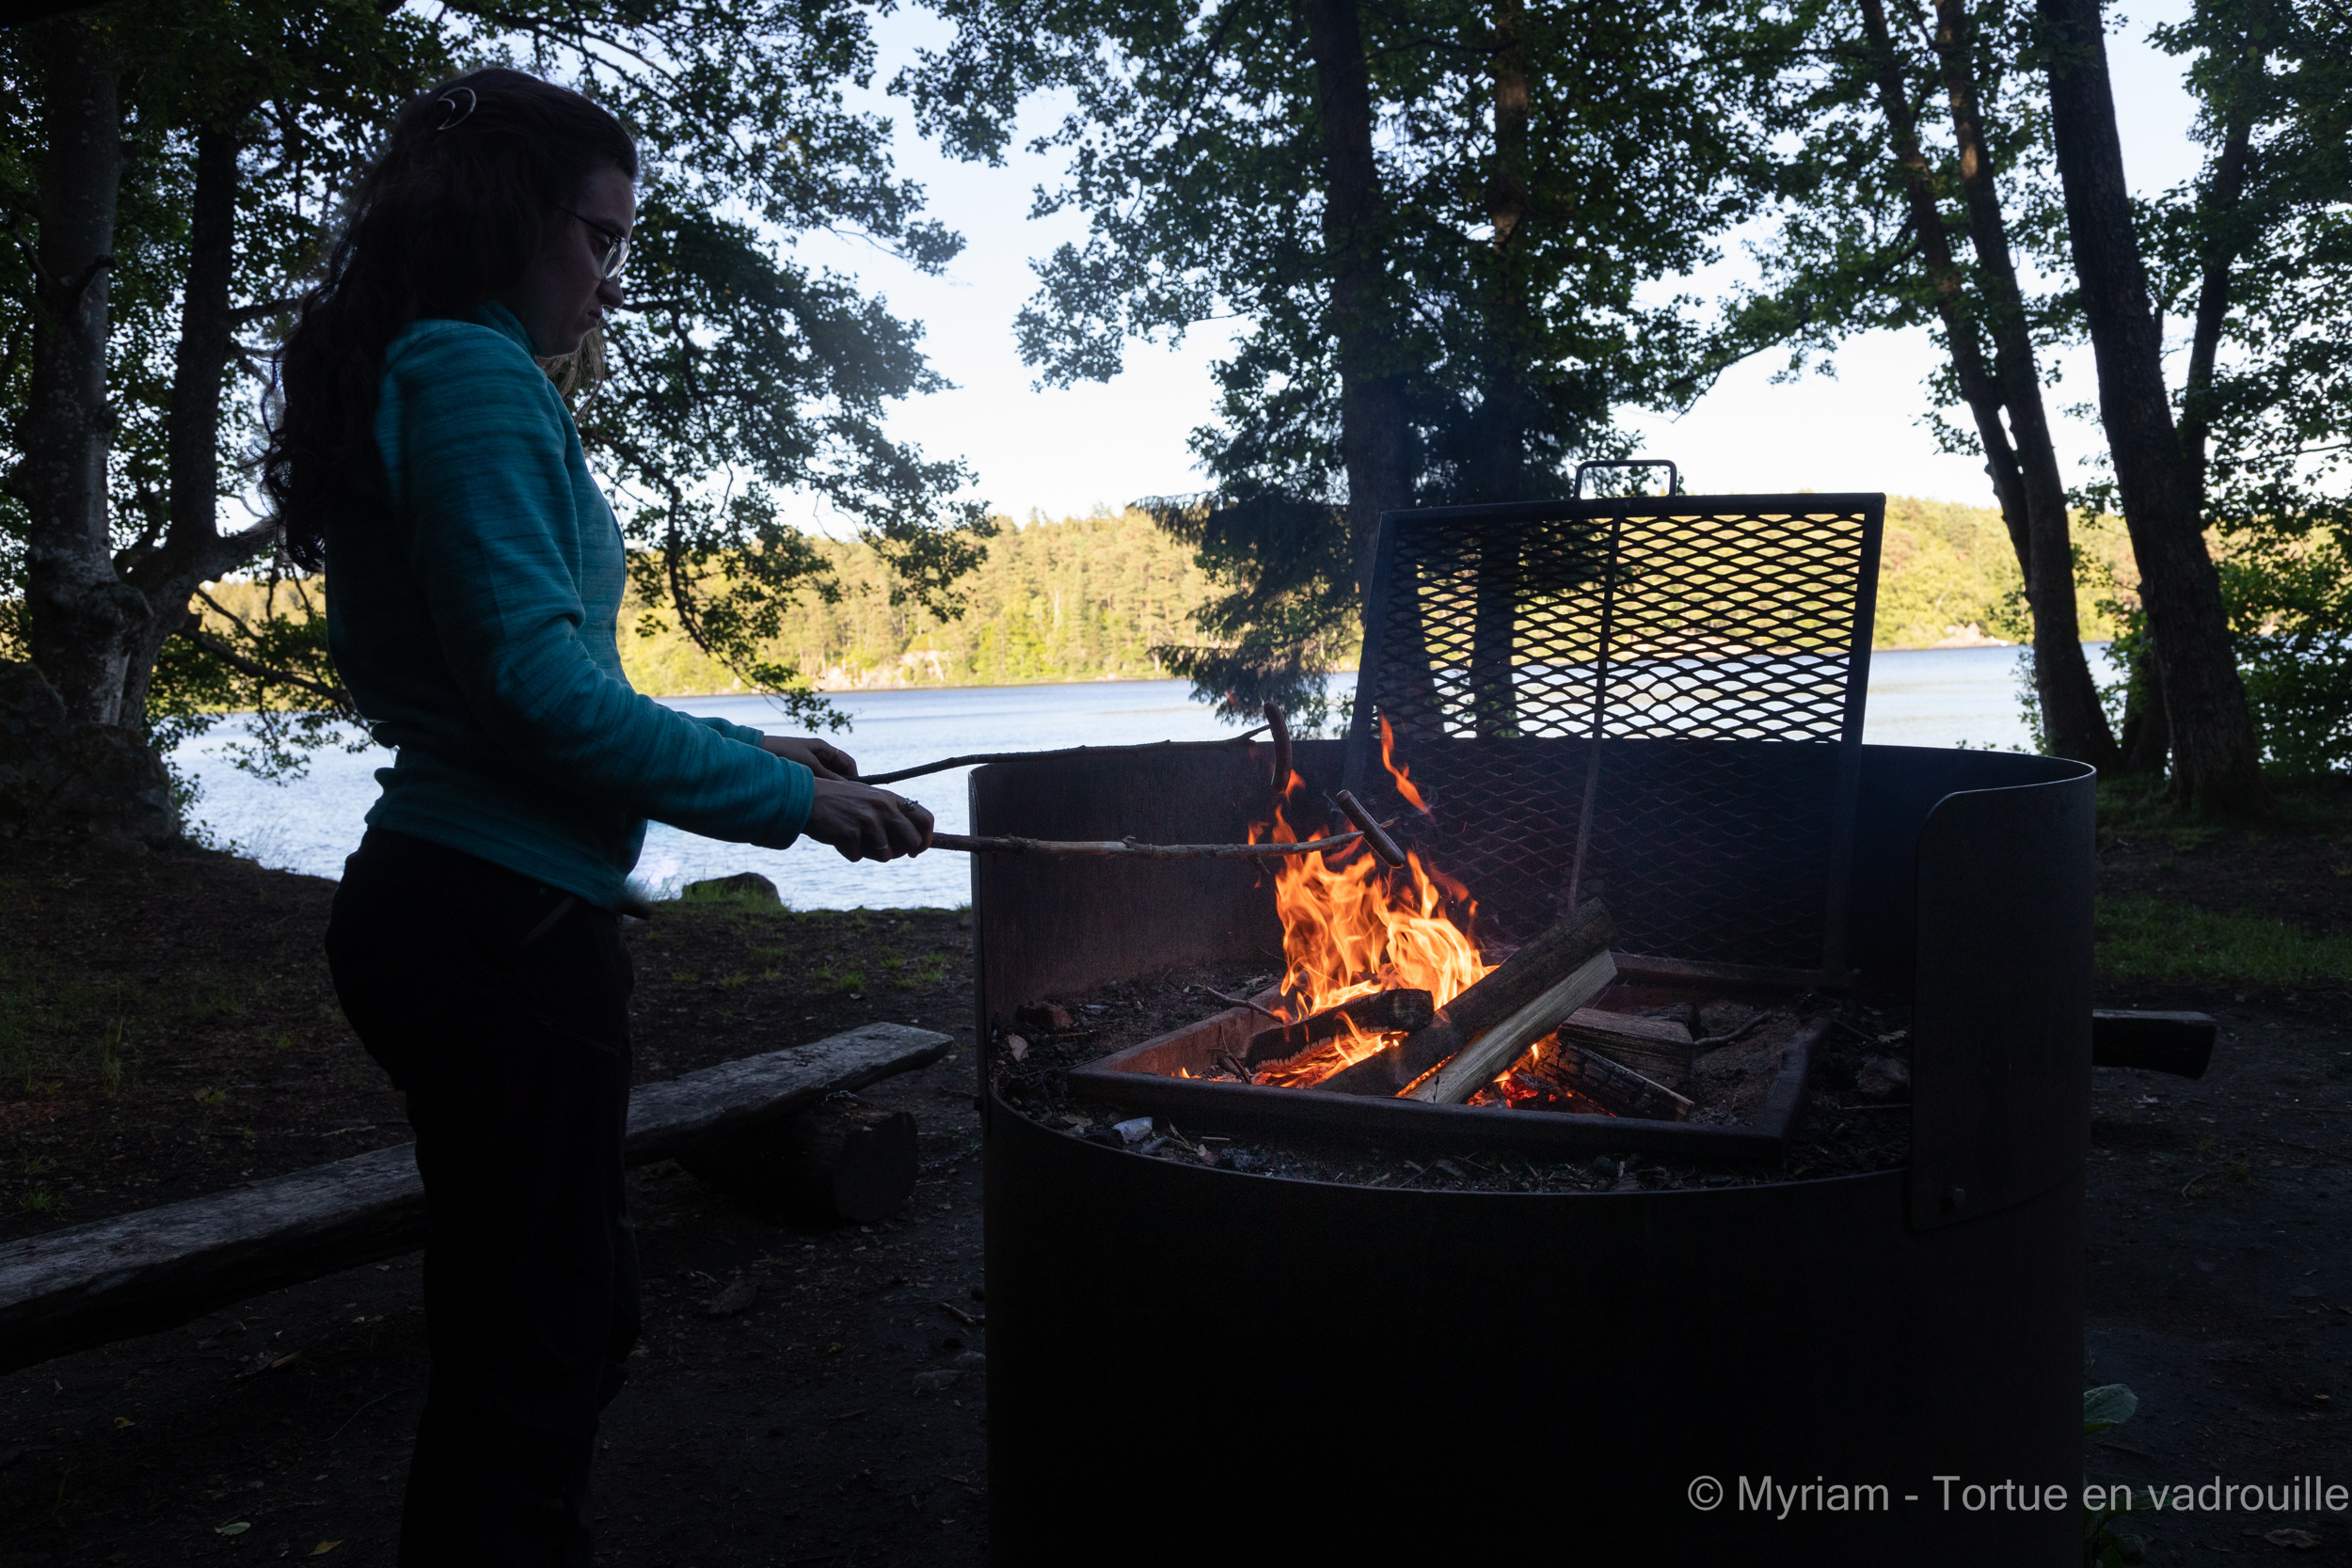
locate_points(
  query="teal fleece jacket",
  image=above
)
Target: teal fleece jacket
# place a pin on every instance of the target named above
(473, 591)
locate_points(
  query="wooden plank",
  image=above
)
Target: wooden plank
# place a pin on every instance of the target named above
(153, 1269)
(733, 1096)
(2177, 1043)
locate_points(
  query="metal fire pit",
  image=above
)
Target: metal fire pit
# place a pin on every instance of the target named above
(1189, 1364)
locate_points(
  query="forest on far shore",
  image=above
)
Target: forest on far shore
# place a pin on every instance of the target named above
(1089, 598)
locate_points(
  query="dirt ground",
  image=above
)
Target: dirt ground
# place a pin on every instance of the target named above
(166, 1028)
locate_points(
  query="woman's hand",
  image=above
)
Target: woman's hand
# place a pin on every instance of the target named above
(822, 758)
(865, 823)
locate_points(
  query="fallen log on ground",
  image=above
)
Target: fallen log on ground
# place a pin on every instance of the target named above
(842, 1162)
(156, 1268)
(2177, 1043)
(1527, 974)
(1619, 1090)
(1382, 1012)
(1657, 1048)
(1490, 1055)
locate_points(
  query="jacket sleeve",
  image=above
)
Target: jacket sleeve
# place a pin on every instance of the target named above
(483, 443)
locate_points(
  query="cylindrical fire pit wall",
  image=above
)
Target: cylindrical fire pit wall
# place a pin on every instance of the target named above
(1193, 1365)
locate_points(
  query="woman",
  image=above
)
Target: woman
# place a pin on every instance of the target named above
(474, 576)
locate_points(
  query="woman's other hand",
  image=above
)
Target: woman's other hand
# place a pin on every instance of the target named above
(820, 757)
(865, 823)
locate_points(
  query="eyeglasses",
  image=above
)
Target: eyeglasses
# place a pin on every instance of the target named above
(615, 255)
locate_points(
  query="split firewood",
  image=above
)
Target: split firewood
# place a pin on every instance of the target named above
(1657, 1048)
(1527, 974)
(1382, 1012)
(1619, 1090)
(1490, 1055)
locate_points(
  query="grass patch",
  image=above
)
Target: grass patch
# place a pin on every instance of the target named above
(2138, 807)
(704, 895)
(2155, 939)
(837, 977)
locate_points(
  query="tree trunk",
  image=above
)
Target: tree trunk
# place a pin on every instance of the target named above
(1372, 381)
(191, 551)
(1978, 387)
(1372, 385)
(2073, 724)
(1499, 449)
(84, 620)
(2222, 247)
(2146, 740)
(2216, 763)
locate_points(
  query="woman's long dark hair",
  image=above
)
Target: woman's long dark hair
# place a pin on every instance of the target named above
(449, 216)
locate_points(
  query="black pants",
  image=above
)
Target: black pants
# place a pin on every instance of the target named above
(500, 1007)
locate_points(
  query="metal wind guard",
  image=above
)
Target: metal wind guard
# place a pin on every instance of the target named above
(1585, 693)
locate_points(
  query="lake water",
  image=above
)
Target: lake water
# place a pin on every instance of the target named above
(1933, 697)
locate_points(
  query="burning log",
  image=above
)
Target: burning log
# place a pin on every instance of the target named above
(1490, 1055)
(1382, 1012)
(1525, 976)
(1657, 1048)
(1619, 1090)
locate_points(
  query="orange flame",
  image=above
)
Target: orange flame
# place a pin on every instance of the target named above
(1350, 929)
(1402, 776)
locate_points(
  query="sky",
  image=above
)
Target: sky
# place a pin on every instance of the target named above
(1060, 452)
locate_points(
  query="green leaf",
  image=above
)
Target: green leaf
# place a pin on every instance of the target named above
(2110, 1405)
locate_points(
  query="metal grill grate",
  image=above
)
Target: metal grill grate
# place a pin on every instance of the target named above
(1582, 690)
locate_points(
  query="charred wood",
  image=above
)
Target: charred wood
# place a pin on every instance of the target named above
(1490, 1055)
(1382, 1012)
(1657, 1048)
(1619, 1090)
(1526, 975)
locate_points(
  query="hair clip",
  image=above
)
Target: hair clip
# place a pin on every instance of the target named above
(457, 113)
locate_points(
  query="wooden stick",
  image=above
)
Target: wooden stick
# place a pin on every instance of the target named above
(1490, 1055)
(1240, 1002)
(1011, 845)
(1374, 837)
(1522, 978)
(1619, 1090)
(979, 758)
(1379, 1013)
